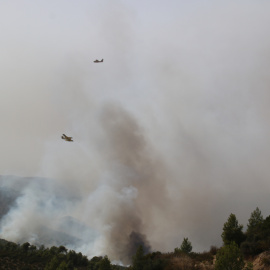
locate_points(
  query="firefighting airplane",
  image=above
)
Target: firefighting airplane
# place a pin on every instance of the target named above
(66, 138)
(98, 61)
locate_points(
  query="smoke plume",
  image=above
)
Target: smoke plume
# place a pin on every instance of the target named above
(171, 131)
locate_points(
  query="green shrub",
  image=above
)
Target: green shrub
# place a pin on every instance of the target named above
(229, 257)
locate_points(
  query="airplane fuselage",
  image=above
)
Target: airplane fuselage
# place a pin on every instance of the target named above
(66, 138)
(98, 61)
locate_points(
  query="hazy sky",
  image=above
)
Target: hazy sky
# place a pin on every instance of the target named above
(171, 131)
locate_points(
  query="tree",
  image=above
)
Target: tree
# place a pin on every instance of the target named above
(53, 250)
(229, 257)
(256, 219)
(232, 231)
(62, 249)
(254, 235)
(94, 263)
(186, 246)
(25, 246)
(63, 266)
(258, 238)
(105, 264)
(138, 259)
(53, 263)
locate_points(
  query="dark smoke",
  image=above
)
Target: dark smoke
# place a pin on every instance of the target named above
(136, 240)
(133, 166)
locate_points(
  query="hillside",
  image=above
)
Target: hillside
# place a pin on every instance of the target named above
(28, 257)
(48, 246)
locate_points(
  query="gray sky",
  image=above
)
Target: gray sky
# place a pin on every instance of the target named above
(171, 132)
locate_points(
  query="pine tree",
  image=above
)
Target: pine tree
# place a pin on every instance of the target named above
(105, 264)
(232, 231)
(138, 259)
(256, 219)
(186, 246)
(229, 257)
